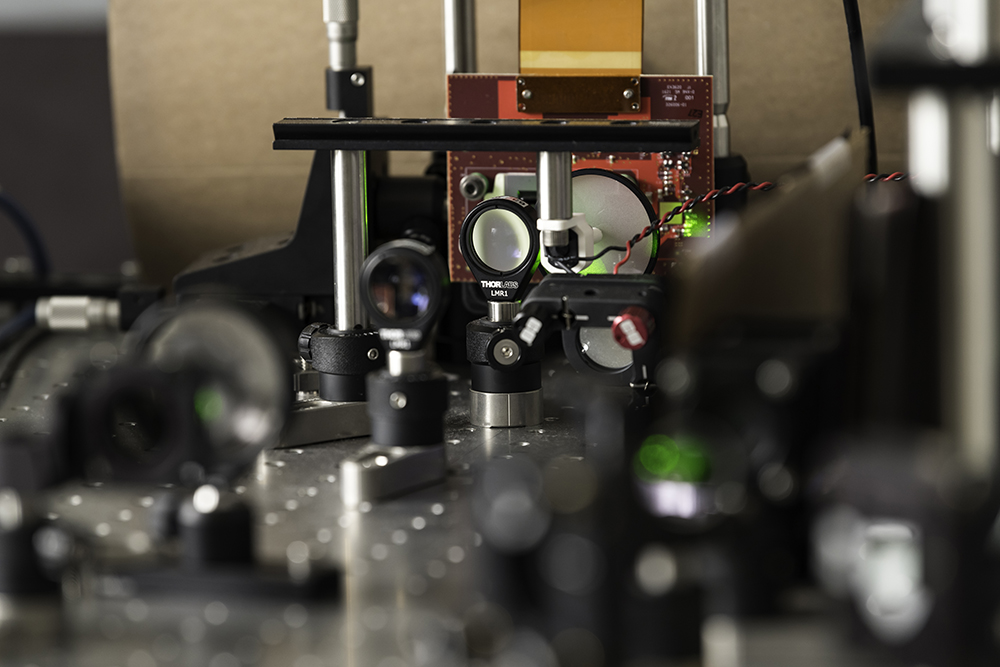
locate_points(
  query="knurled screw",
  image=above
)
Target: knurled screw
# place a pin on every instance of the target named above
(526, 94)
(629, 93)
(397, 400)
(373, 354)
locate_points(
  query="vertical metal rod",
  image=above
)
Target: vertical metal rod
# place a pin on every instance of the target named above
(341, 17)
(555, 193)
(971, 289)
(460, 36)
(350, 237)
(712, 59)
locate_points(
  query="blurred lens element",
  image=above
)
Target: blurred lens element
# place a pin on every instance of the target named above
(242, 395)
(200, 390)
(398, 287)
(501, 240)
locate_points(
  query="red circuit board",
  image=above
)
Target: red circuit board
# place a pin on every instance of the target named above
(665, 178)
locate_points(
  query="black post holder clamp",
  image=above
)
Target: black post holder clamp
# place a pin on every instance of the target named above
(342, 358)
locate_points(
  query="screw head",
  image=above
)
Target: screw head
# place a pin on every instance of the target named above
(397, 400)
(521, 107)
(526, 94)
(507, 353)
(358, 79)
(628, 93)
(635, 106)
(373, 354)
(520, 82)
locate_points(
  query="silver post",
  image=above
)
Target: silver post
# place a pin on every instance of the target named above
(341, 17)
(555, 193)
(970, 263)
(712, 56)
(971, 311)
(460, 36)
(350, 237)
(400, 362)
(503, 311)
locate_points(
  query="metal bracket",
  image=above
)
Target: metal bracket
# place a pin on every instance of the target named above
(578, 94)
(378, 472)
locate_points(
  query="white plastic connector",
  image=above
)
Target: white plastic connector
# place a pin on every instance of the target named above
(586, 236)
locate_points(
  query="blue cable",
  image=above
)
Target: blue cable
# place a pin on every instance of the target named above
(39, 258)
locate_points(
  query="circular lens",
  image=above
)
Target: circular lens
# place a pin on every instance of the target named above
(599, 345)
(501, 240)
(399, 289)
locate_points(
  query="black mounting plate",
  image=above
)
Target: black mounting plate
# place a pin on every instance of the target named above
(486, 134)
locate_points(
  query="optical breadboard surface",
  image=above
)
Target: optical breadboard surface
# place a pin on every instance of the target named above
(666, 178)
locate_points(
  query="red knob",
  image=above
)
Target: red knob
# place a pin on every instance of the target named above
(632, 327)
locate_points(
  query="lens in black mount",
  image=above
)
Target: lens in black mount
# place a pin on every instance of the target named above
(499, 241)
(399, 289)
(403, 286)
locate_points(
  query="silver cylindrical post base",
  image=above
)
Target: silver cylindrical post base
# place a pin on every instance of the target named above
(506, 410)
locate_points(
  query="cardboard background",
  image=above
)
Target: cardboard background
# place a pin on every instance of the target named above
(196, 85)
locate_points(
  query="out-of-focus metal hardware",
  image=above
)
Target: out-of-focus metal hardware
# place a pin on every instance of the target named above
(378, 472)
(77, 313)
(320, 421)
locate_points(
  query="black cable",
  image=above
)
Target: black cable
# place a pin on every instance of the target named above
(39, 258)
(655, 226)
(862, 87)
(29, 231)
